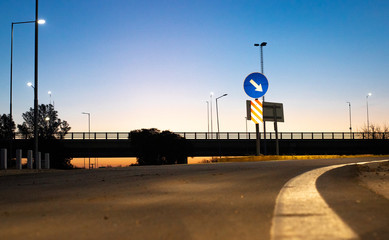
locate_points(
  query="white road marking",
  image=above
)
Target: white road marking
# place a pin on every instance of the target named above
(301, 213)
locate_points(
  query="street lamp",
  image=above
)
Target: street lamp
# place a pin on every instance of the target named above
(349, 110)
(88, 131)
(217, 115)
(29, 84)
(211, 94)
(263, 44)
(208, 118)
(41, 21)
(49, 92)
(367, 112)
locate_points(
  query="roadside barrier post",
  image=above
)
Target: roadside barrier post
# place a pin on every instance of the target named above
(29, 159)
(38, 162)
(47, 160)
(19, 159)
(3, 159)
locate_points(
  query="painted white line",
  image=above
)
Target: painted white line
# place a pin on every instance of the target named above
(301, 213)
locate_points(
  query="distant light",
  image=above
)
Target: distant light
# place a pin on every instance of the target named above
(256, 45)
(47, 119)
(30, 84)
(263, 44)
(369, 94)
(211, 93)
(49, 92)
(41, 21)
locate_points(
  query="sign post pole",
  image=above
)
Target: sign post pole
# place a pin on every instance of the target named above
(276, 129)
(258, 144)
(256, 85)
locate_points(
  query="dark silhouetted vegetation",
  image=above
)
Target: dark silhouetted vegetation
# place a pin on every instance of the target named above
(376, 132)
(49, 125)
(50, 129)
(153, 147)
(7, 127)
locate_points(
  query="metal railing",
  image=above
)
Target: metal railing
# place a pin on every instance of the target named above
(230, 135)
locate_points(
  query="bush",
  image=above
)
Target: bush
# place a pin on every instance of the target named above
(153, 147)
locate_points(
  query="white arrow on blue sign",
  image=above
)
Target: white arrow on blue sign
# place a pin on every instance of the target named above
(255, 85)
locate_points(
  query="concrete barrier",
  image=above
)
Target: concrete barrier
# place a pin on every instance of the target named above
(47, 161)
(19, 159)
(38, 162)
(29, 159)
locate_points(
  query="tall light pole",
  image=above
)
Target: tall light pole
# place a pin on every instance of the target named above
(88, 132)
(349, 110)
(36, 86)
(208, 118)
(263, 44)
(41, 21)
(217, 115)
(49, 92)
(246, 125)
(367, 112)
(211, 116)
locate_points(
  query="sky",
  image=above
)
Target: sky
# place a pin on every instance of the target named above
(153, 64)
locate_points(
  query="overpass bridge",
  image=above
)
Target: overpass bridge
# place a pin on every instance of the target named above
(118, 144)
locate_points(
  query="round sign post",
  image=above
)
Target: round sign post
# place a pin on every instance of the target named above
(255, 86)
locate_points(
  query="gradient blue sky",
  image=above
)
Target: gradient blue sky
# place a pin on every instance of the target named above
(141, 64)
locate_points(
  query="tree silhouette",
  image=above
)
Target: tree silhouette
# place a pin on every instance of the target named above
(49, 125)
(376, 132)
(7, 127)
(50, 129)
(153, 147)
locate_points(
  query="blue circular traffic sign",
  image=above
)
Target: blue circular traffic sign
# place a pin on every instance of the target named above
(255, 85)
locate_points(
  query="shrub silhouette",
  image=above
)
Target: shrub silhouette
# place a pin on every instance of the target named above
(153, 147)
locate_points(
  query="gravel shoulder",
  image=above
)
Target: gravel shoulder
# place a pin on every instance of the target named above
(375, 176)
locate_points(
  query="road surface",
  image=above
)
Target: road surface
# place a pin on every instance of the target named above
(204, 201)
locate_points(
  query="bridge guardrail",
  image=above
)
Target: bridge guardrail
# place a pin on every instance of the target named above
(231, 135)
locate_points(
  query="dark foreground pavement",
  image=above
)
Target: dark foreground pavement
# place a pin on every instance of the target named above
(205, 201)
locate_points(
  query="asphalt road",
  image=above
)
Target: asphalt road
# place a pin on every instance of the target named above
(205, 201)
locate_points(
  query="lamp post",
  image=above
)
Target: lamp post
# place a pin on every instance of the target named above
(349, 110)
(36, 85)
(41, 21)
(208, 118)
(88, 132)
(217, 115)
(211, 116)
(49, 92)
(263, 44)
(246, 125)
(367, 113)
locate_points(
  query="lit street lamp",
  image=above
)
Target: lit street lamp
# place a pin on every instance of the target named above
(208, 118)
(49, 92)
(41, 21)
(211, 116)
(349, 110)
(367, 112)
(217, 115)
(88, 130)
